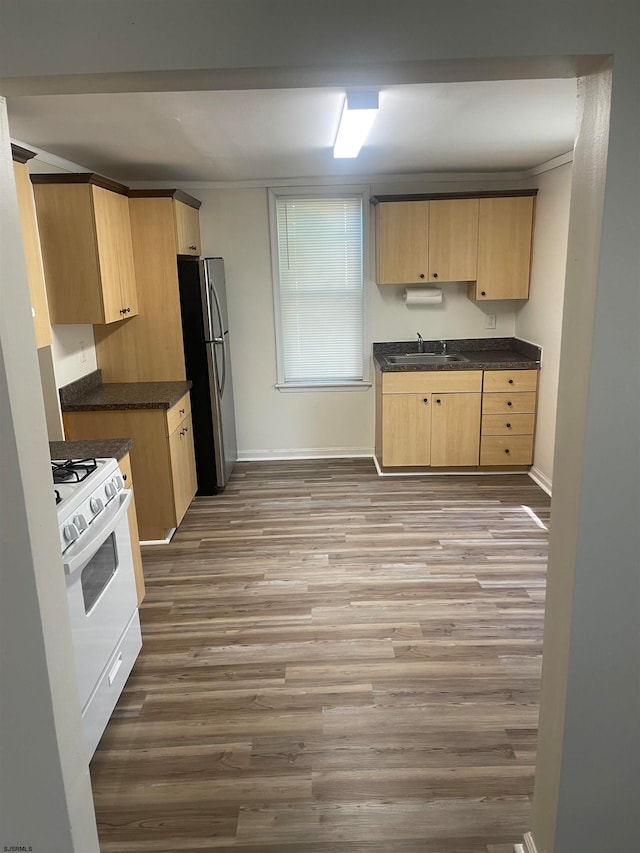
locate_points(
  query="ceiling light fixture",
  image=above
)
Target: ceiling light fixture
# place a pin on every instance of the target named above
(358, 113)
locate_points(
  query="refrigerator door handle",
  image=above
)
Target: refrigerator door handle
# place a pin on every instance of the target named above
(209, 331)
(220, 342)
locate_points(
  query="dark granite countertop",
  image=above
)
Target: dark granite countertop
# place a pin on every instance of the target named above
(91, 448)
(90, 394)
(478, 353)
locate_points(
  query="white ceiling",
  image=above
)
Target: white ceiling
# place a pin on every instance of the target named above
(289, 133)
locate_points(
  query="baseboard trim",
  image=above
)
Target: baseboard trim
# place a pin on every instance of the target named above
(160, 541)
(541, 480)
(518, 848)
(305, 453)
(445, 472)
(529, 844)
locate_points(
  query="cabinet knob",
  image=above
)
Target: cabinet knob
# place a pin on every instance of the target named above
(421, 275)
(181, 411)
(128, 310)
(122, 310)
(435, 275)
(483, 293)
(507, 450)
(124, 477)
(509, 403)
(438, 401)
(425, 400)
(511, 382)
(193, 248)
(508, 426)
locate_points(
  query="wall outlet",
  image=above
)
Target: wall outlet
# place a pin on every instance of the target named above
(490, 321)
(83, 352)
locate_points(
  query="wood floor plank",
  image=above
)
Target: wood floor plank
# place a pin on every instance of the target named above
(334, 662)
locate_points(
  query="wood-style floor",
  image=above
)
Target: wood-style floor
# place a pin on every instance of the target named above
(334, 662)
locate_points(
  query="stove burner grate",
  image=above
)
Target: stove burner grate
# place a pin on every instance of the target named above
(73, 470)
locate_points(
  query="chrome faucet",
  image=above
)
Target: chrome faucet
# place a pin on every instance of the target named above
(420, 342)
(444, 347)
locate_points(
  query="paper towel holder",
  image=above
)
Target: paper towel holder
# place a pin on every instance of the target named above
(423, 296)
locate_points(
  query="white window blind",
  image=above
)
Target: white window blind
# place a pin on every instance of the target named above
(320, 275)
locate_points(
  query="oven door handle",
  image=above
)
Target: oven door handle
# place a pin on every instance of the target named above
(104, 524)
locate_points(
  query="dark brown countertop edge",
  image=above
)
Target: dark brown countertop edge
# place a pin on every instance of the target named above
(91, 448)
(90, 394)
(518, 354)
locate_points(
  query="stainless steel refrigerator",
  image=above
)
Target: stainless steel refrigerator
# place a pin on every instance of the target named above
(205, 332)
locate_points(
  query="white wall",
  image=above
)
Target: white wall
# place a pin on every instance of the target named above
(540, 319)
(234, 224)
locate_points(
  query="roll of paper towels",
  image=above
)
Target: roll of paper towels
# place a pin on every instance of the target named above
(423, 295)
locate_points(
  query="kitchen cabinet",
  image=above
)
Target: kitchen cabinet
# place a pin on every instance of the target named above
(446, 419)
(127, 476)
(455, 429)
(427, 241)
(428, 418)
(149, 347)
(187, 227)
(504, 248)
(508, 417)
(162, 458)
(484, 240)
(85, 235)
(31, 245)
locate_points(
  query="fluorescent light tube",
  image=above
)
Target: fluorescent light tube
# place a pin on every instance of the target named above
(358, 113)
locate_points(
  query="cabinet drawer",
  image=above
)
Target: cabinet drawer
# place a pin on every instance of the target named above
(432, 381)
(496, 404)
(510, 380)
(177, 413)
(506, 450)
(509, 424)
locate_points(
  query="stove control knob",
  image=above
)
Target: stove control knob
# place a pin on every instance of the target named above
(96, 505)
(81, 523)
(110, 491)
(71, 532)
(119, 482)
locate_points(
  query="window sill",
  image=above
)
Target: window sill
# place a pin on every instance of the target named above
(323, 386)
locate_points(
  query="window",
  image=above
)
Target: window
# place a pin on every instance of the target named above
(318, 284)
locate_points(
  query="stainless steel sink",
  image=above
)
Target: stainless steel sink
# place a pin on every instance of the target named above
(425, 358)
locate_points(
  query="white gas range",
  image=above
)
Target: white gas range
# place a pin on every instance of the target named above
(92, 506)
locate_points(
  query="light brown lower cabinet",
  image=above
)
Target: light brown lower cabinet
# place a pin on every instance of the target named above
(428, 418)
(127, 476)
(461, 419)
(162, 458)
(455, 429)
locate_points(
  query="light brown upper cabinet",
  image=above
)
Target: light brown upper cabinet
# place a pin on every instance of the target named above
(504, 248)
(427, 241)
(85, 234)
(149, 348)
(187, 224)
(31, 244)
(485, 240)
(402, 242)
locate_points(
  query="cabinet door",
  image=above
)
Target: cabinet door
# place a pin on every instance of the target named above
(32, 256)
(455, 429)
(453, 239)
(406, 429)
(402, 242)
(187, 224)
(183, 467)
(115, 252)
(504, 248)
(132, 516)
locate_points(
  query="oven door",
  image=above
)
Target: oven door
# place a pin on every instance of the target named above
(100, 591)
